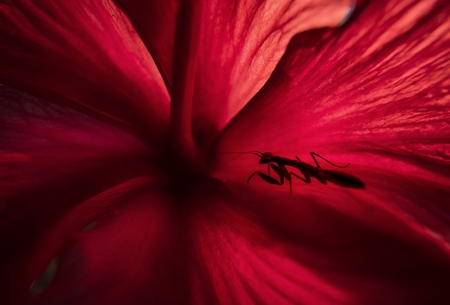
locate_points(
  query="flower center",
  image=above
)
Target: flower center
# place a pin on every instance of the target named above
(182, 170)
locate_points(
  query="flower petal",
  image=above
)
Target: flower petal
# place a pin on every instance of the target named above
(51, 159)
(132, 256)
(155, 21)
(375, 94)
(226, 247)
(238, 46)
(85, 54)
(263, 247)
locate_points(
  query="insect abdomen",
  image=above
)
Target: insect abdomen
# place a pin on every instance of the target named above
(344, 180)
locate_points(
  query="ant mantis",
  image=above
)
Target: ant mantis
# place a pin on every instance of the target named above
(279, 166)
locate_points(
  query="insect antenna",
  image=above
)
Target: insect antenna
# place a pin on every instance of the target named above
(254, 152)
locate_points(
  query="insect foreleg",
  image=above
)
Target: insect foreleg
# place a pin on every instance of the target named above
(275, 168)
(267, 178)
(282, 171)
(251, 176)
(313, 154)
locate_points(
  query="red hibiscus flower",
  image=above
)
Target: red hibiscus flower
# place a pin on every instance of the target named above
(114, 117)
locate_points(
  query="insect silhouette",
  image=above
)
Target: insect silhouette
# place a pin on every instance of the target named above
(279, 166)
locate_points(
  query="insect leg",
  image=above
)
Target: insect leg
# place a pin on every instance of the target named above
(275, 168)
(307, 178)
(267, 178)
(313, 154)
(282, 171)
(251, 176)
(270, 179)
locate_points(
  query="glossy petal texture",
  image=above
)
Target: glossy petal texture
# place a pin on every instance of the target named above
(53, 158)
(238, 46)
(375, 94)
(84, 54)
